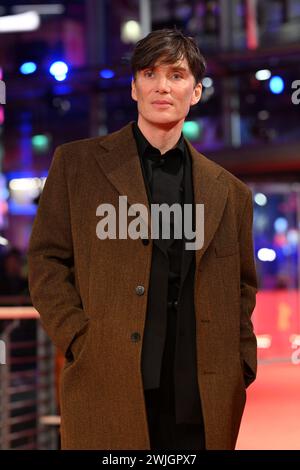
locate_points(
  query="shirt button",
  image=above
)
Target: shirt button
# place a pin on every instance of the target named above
(140, 290)
(145, 241)
(135, 337)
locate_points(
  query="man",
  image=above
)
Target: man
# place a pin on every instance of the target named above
(158, 338)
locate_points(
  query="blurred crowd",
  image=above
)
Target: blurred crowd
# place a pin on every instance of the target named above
(13, 274)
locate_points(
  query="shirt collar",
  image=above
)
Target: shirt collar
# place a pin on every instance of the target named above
(144, 145)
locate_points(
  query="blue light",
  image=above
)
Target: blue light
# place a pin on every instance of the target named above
(28, 68)
(107, 73)
(276, 85)
(62, 89)
(281, 225)
(59, 70)
(21, 209)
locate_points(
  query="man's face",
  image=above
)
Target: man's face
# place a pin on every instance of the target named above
(165, 92)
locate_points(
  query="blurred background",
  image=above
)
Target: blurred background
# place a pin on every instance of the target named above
(65, 75)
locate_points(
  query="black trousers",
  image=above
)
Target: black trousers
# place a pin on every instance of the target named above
(164, 432)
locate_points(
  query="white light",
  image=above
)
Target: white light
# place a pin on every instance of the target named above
(23, 190)
(60, 78)
(207, 82)
(293, 236)
(260, 199)
(266, 254)
(53, 9)
(264, 341)
(59, 69)
(23, 22)
(130, 31)
(3, 241)
(24, 184)
(263, 74)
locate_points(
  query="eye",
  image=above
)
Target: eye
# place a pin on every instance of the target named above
(177, 76)
(148, 73)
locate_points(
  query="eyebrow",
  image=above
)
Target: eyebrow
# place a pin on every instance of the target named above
(181, 69)
(172, 67)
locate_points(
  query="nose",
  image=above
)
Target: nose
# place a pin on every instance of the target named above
(163, 84)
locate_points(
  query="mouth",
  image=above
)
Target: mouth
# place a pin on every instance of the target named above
(162, 103)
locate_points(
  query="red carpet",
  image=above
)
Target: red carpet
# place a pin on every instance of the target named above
(272, 416)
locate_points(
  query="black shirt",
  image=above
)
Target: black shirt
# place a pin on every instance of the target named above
(168, 179)
(153, 162)
(164, 178)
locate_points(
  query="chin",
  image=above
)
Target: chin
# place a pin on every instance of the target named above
(164, 120)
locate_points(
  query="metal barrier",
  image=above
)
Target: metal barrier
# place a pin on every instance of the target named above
(27, 387)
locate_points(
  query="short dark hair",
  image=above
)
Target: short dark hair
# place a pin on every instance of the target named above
(169, 45)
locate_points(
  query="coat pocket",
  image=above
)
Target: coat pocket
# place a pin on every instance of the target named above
(78, 346)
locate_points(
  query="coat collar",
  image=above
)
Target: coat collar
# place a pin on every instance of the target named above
(121, 165)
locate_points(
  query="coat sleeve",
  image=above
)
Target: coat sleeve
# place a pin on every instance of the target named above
(51, 262)
(248, 289)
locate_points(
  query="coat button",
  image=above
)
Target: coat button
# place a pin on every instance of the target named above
(145, 241)
(140, 290)
(135, 337)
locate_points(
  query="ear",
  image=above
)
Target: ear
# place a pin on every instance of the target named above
(133, 90)
(196, 94)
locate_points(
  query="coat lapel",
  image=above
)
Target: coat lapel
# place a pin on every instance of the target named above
(210, 190)
(122, 167)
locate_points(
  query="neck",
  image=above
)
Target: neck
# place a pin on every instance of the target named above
(162, 136)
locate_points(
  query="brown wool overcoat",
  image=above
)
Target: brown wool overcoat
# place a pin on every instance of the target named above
(85, 291)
